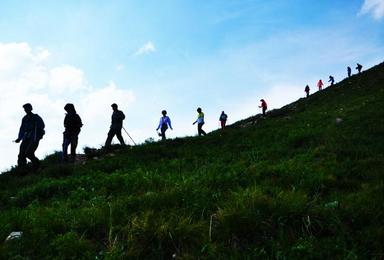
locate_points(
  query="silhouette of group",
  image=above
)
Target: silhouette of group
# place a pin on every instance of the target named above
(331, 80)
(32, 127)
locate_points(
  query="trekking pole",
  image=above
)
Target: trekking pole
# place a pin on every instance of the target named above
(129, 135)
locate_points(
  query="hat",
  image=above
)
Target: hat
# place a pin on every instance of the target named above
(27, 106)
(69, 107)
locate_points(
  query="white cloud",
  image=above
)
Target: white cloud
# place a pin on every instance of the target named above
(373, 7)
(66, 78)
(25, 76)
(145, 49)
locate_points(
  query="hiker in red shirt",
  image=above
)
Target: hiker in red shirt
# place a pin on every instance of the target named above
(320, 84)
(263, 106)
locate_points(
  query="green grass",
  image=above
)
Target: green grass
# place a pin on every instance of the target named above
(293, 185)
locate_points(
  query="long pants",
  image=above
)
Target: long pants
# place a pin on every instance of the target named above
(27, 150)
(69, 140)
(200, 130)
(307, 93)
(164, 128)
(264, 109)
(223, 122)
(112, 132)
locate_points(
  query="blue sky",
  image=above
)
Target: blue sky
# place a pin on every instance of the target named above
(175, 55)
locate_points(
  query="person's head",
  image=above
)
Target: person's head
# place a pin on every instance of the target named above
(70, 108)
(27, 108)
(222, 112)
(198, 110)
(164, 112)
(261, 100)
(114, 106)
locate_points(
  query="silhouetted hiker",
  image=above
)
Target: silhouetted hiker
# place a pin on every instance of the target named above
(223, 119)
(320, 84)
(307, 90)
(263, 106)
(332, 80)
(200, 122)
(31, 132)
(72, 125)
(165, 121)
(116, 125)
(349, 70)
(359, 67)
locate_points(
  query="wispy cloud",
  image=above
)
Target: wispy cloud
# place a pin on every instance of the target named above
(374, 8)
(145, 49)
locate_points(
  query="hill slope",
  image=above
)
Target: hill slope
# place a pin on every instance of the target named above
(299, 183)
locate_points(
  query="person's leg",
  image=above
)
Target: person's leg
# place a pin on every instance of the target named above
(30, 153)
(200, 129)
(264, 109)
(22, 158)
(120, 137)
(66, 142)
(222, 122)
(163, 129)
(111, 134)
(74, 141)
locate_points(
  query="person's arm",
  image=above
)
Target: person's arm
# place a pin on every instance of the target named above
(21, 132)
(122, 116)
(160, 123)
(169, 123)
(79, 122)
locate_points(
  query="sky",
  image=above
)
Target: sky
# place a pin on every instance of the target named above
(150, 55)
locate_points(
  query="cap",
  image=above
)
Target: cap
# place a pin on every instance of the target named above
(27, 106)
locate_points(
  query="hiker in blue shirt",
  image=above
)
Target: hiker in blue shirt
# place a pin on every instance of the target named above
(30, 134)
(165, 121)
(116, 126)
(359, 67)
(72, 125)
(332, 80)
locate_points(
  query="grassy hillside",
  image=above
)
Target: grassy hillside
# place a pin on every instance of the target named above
(305, 182)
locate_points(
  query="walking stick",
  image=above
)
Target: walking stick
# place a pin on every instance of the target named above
(129, 135)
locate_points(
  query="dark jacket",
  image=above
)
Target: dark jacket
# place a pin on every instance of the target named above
(32, 127)
(72, 123)
(223, 117)
(117, 119)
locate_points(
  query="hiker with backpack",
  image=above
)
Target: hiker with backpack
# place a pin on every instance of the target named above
(116, 126)
(332, 80)
(72, 126)
(223, 119)
(30, 133)
(263, 106)
(307, 89)
(200, 122)
(349, 70)
(320, 84)
(165, 121)
(359, 67)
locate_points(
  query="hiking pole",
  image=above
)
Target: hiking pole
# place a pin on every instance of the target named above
(129, 135)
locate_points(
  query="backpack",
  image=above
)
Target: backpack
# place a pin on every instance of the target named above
(39, 127)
